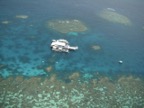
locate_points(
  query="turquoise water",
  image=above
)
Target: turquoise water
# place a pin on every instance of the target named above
(34, 76)
(25, 43)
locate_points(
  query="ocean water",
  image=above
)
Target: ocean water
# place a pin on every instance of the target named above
(25, 42)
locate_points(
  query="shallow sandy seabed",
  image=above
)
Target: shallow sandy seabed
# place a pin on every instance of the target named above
(66, 26)
(5, 22)
(35, 92)
(22, 16)
(114, 17)
(96, 47)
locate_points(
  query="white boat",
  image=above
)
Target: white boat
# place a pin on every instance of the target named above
(62, 45)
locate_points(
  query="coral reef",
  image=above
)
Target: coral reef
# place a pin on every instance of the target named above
(66, 26)
(114, 17)
(48, 69)
(74, 76)
(72, 34)
(35, 92)
(2, 66)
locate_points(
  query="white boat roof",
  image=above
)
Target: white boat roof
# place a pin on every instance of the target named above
(62, 40)
(58, 43)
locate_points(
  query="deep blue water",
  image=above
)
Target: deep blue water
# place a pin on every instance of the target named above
(24, 49)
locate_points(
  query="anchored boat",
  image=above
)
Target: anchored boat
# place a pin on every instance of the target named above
(62, 45)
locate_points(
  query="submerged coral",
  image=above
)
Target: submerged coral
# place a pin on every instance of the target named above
(96, 47)
(113, 16)
(48, 69)
(35, 92)
(5, 22)
(74, 76)
(22, 16)
(67, 26)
